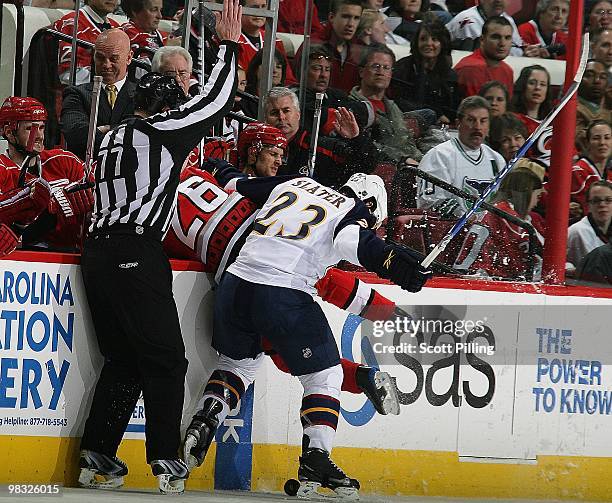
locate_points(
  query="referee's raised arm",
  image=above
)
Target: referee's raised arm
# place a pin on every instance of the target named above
(217, 97)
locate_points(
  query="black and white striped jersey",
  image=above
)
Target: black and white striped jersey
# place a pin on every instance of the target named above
(139, 162)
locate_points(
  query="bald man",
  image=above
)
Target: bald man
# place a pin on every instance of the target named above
(112, 55)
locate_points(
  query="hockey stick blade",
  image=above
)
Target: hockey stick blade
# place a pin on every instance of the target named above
(439, 248)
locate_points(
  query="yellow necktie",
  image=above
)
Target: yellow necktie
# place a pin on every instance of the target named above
(111, 92)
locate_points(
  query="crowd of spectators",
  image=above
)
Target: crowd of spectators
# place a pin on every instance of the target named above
(397, 110)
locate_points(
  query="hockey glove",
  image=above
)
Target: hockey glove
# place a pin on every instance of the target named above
(8, 240)
(24, 204)
(76, 198)
(404, 269)
(446, 208)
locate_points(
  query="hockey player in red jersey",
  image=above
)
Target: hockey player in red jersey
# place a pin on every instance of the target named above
(60, 225)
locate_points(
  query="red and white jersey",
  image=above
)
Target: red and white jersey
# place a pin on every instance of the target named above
(541, 149)
(530, 33)
(247, 51)
(584, 173)
(59, 168)
(144, 44)
(499, 247)
(208, 222)
(90, 26)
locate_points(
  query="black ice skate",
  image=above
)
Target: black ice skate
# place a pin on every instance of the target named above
(171, 475)
(201, 433)
(318, 470)
(99, 471)
(379, 388)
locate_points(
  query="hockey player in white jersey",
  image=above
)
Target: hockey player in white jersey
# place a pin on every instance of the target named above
(302, 229)
(465, 162)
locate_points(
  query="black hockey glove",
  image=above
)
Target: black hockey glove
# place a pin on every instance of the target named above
(404, 269)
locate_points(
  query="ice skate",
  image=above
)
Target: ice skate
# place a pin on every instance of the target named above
(171, 475)
(99, 471)
(379, 388)
(318, 470)
(201, 433)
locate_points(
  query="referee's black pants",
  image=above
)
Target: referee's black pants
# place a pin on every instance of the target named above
(128, 282)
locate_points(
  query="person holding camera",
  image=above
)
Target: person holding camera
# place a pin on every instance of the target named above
(547, 29)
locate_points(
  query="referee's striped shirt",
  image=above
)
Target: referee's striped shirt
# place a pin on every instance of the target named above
(139, 162)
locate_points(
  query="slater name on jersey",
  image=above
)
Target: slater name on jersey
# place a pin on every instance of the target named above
(321, 191)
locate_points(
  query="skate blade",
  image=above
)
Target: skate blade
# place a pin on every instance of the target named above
(93, 480)
(347, 493)
(390, 402)
(309, 490)
(169, 486)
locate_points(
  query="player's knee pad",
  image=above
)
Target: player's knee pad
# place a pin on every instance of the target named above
(324, 382)
(245, 369)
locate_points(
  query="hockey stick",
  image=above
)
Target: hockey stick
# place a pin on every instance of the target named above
(312, 154)
(439, 248)
(93, 124)
(202, 15)
(73, 54)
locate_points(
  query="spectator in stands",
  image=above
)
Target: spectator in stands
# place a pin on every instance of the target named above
(425, 79)
(338, 38)
(291, 17)
(504, 251)
(601, 49)
(547, 29)
(467, 27)
(337, 158)
(532, 99)
(372, 28)
(317, 81)
(389, 132)
(112, 55)
(591, 105)
(592, 166)
(175, 62)
(597, 266)
(594, 229)
(411, 12)
(496, 94)
(93, 20)
(60, 225)
(253, 74)
(252, 38)
(599, 15)
(508, 133)
(487, 62)
(465, 162)
(142, 28)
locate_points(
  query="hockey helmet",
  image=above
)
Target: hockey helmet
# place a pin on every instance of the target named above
(371, 190)
(156, 92)
(16, 109)
(257, 134)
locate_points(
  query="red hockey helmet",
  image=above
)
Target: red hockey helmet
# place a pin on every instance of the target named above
(16, 108)
(257, 134)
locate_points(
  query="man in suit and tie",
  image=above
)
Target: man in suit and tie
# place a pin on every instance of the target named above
(112, 55)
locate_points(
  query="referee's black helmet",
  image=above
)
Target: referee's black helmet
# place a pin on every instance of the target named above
(156, 92)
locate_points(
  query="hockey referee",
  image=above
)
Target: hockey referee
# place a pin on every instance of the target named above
(127, 276)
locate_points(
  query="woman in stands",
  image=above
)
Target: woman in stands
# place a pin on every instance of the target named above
(599, 15)
(412, 13)
(547, 29)
(497, 246)
(372, 28)
(425, 79)
(144, 17)
(532, 99)
(593, 164)
(253, 74)
(496, 94)
(507, 135)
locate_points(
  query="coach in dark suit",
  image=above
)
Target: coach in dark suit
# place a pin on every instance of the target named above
(112, 55)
